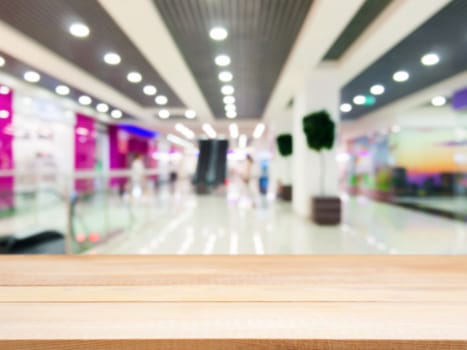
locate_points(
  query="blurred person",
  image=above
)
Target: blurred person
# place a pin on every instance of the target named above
(137, 175)
(247, 177)
(173, 176)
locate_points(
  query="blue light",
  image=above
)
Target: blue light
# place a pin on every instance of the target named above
(136, 130)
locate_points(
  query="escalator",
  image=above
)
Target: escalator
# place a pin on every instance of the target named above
(43, 242)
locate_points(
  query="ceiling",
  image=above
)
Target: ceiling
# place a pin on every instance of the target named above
(445, 34)
(261, 35)
(367, 13)
(47, 22)
(16, 68)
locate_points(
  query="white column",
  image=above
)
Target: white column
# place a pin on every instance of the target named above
(319, 91)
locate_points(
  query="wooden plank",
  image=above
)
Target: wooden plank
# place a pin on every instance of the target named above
(280, 302)
(230, 293)
(320, 320)
(231, 344)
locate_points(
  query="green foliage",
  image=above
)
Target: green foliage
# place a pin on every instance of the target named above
(319, 130)
(285, 144)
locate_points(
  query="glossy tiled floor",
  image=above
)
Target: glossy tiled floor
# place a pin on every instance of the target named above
(229, 224)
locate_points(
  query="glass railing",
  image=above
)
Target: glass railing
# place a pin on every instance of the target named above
(75, 214)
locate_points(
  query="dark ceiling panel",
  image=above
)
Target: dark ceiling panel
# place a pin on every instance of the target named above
(261, 35)
(47, 22)
(445, 33)
(17, 68)
(367, 13)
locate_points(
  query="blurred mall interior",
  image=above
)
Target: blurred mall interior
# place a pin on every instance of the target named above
(233, 127)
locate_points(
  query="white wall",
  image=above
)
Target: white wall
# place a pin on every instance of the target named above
(43, 142)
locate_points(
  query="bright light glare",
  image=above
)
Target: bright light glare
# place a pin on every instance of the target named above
(190, 114)
(346, 107)
(79, 30)
(430, 59)
(259, 130)
(161, 100)
(62, 90)
(377, 89)
(149, 90)
(229, 99)
(242, 141)
(112, 58)
(225, 76)
(438, 101)
(233, 128)
(222, 60)
(32, 77)
(401, 76)
(164, 114)
(209, 130)
(189, 134)
(359, 100)
(218, 33)
(85, 100)
(227, 90)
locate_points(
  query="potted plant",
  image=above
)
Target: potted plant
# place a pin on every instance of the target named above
(320, 131)
(285, 147)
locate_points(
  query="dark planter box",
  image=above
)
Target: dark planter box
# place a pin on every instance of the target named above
(326, 210)
(286, 193)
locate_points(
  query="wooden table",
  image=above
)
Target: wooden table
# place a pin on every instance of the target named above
(194, 302)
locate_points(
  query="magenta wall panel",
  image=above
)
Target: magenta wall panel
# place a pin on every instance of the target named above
(118, 154)
(85, 150)
(6, 149)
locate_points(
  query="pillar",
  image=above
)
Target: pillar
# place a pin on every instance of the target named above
(319, 91)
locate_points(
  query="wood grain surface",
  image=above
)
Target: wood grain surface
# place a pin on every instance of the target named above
(221, 302)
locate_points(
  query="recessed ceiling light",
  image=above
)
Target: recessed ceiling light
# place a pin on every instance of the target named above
(377, 89)
(231, 114)
(2, 61)
(229, 99)
(134, 77)
(4, 90)
(164, 114)
(32, 77)
(218, 33)
(430, 59)
(359, 99)
(401, 76)
(161, 100)
(225, 76)
(150, 90)
(222, 60)
(4, 114)
(112, 58)
(190, 114)
(438, 101)
(230, 108)
(227, 90)
(346, 107)
(116, 114)
(85, 100)
(62, 90)
(102, 107)
(79, 30)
